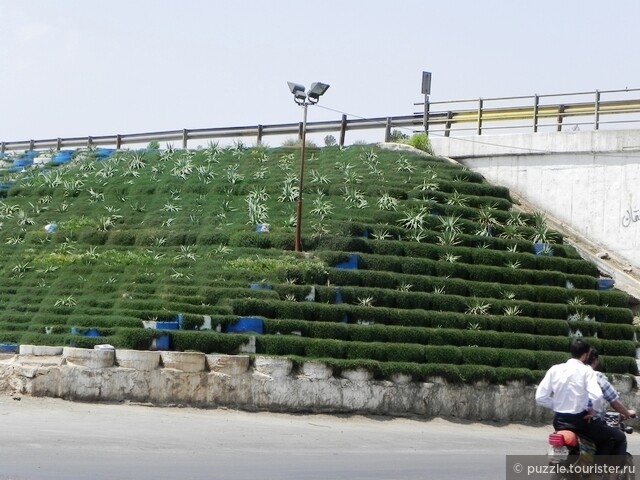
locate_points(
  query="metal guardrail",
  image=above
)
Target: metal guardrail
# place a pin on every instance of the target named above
(476, 116)
(533, 113)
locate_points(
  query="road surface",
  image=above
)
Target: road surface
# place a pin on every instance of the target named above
(46, 439)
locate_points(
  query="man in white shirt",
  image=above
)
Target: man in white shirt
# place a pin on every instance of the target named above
(567, 389)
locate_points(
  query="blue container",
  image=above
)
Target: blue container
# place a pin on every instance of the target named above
(161, 343)
(246, 324)
(8, 348)
(168, 325)
(338, 297)
(23, 162)
(103, 153)
(604, 283)
(351, 264)
(92, 332)
(60, 158)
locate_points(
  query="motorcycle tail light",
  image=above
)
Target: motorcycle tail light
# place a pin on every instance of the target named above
(556, 440)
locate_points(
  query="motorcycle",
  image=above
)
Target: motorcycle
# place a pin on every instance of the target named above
(573, 457)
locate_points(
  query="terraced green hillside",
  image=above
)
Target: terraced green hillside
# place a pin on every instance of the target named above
(412, 264)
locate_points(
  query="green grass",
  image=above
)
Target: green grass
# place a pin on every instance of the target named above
(145, 235)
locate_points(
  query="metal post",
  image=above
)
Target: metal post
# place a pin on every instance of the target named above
(298, 239)
(59, 144)
(560, 117)
(536, 103)
(447, 125)
(32, 145)
(118, 142)
(480, 104)
(259, 140)
(425, 116)
(185, 137)
(387, 130)
(343, 130)
(596, 111)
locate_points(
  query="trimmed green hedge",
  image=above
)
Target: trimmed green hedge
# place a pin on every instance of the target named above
(316, 311)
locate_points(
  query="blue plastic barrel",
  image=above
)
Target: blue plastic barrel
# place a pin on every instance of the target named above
(161, 343)
(351, 264)
(604, 283)
(246, 324)
(8, 348)
(168, 325)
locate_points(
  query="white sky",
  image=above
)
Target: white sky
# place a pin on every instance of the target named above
(89, 67)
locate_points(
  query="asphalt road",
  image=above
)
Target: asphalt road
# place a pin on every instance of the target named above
(44, 439)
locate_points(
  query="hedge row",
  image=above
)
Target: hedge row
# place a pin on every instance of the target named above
(440, 336)
(467, 255)
(430, 372)
(382, 297)
(469, 288)
(440, 268)
(314, 311)
(413, 353)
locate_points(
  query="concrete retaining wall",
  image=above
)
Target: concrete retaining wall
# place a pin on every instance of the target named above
(262, 383)
(586, 180)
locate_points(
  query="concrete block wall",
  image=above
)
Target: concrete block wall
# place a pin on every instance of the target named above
(257, 383)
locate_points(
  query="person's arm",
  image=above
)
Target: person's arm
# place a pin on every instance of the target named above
(622, 410)
(544, 393)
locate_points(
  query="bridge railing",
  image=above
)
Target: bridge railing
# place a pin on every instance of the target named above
(557, 112)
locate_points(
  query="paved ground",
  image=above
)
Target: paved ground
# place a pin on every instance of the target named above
(43, 438)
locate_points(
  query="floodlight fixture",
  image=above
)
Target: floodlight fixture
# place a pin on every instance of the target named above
(316, 91)
(299, 95)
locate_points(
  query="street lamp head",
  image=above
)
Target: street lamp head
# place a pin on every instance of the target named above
(298, 92)
(316, 91)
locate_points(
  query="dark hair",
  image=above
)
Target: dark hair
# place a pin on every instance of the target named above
(593, 356)
(579, 347)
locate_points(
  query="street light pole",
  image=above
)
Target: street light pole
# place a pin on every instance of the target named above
(304, 99)
(298, 236)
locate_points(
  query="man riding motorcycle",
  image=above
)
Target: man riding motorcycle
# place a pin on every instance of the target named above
(570, 389)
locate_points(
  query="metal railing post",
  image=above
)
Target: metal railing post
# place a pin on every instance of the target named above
(447, 125)
(259, 139)
(387, 130)
(425, 116)
(560, 117)
(480, 104)
(185, 138)
(343, 130)
(596, 111)
(536, 103)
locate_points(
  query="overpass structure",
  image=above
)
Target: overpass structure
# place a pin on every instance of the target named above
(586, 182)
